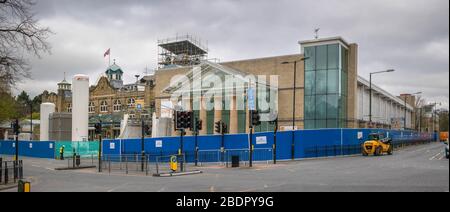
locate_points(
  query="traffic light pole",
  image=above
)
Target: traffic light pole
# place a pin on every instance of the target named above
(251, 140)
(16, 132)
(180, 153)
(196, 147)
(275, 142)
(142, 145)
(251, 147)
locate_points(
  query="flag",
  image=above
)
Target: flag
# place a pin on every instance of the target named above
(107, 53)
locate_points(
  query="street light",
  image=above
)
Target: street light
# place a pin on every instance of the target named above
(406, 108)
(434, 114)
(370, 91)
(293, 101)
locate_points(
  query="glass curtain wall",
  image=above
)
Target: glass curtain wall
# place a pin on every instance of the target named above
(326, 86)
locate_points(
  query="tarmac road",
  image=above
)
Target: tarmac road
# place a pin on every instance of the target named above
(412, 169)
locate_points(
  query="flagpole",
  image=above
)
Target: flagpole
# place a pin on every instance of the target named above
(109, 56)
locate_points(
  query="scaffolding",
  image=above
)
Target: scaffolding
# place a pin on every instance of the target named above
(181, 51)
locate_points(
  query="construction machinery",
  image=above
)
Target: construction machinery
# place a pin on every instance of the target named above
(377, 145)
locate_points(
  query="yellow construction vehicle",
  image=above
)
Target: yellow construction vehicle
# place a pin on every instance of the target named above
(377, 145)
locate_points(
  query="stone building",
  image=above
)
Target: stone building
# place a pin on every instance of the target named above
(109, 100)
(329, 92)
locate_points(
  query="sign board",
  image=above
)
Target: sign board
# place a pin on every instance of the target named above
(50, 146)
(288, 128)
(251, 99)
(140, 104)
(261, 140)
(158, 143)
(360, 135)
(112, 145)
(31, 145)
(14, 145)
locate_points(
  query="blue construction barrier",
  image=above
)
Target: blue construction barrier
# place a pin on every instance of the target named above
(36, 149)
(307, 144)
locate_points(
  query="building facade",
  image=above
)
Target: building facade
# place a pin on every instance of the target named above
(109, 100)
(328, 91)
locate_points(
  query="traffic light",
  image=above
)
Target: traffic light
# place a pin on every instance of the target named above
(184, 120)
(16, 127)
(98, 128)
(218, 127)
(189, 117)
(146, 129)
(198, 125)
(224, 128)
(256, 118)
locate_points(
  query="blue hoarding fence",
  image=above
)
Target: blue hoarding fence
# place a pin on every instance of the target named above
(308, 143)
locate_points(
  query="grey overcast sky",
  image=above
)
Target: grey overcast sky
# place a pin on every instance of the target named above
(411, 36)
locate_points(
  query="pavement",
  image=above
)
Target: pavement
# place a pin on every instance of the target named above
(421, 168)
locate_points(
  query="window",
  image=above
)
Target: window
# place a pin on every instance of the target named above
(321, 82)
(103, 107)
(321, 57)
(333, 81)
(310, 63)
(91, 107)
(310, 78)
(131, 102)
(117, 107)
(333, 56)
(69, 108)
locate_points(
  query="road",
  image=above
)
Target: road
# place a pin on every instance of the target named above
(412, 169)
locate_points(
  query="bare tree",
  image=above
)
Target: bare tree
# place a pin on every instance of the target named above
(20, 35)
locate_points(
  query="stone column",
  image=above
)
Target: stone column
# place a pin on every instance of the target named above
(247, 118)
(233, 116)
(203, 116)
(218, 106)
(174, 132)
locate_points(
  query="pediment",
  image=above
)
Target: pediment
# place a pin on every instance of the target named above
(103, 87)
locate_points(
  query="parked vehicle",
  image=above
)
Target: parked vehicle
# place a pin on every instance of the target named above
(443, 136)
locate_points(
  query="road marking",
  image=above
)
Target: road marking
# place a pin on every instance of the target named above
(291, 170)
(162, 189)
(212, 189)
(111, 190)
(435, 156)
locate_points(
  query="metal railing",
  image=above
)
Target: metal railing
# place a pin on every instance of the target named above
(150, 164)
(332, 151)
(10, 171)
(81, 160)
(259, 155)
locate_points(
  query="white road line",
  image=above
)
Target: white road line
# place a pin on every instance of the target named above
(435, 156)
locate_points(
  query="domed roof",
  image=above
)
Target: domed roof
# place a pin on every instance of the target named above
(64, 82)
(113, 69)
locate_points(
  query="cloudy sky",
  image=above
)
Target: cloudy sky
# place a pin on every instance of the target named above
(411, 36)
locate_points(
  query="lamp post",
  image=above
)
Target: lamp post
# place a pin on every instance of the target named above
(370, 91)
(433, 111)
(406, 107)
(293, 101)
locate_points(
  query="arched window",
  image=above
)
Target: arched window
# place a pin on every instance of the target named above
(69, 107)
(131, 102)
(117, 107)
(91, 107)
(103, 107)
